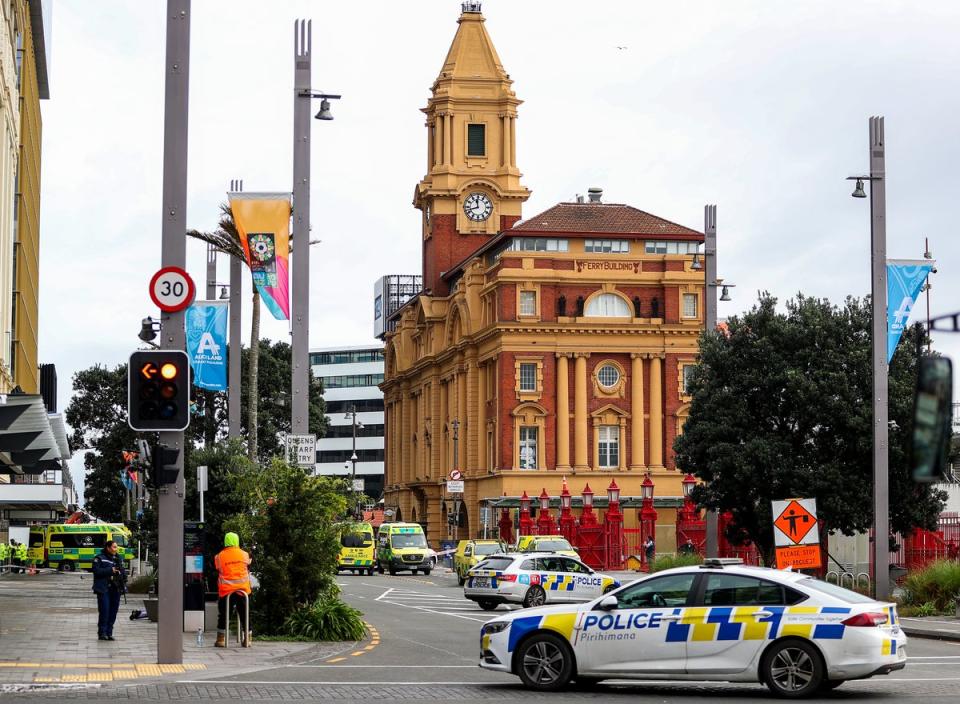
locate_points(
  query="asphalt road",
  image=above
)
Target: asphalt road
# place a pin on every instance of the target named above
(425, 647)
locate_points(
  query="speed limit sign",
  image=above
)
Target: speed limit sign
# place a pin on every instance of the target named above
(172, 289)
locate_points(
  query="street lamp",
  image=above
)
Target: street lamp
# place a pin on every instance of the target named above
(300, 315)
(878, 297)
(351, 415)
(648, 518)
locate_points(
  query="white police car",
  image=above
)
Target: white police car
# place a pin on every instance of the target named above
(721, 622)
(534, 579)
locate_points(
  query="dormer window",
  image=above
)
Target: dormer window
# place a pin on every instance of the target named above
(476, 140)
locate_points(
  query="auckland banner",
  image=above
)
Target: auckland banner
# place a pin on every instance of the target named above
(905, 278)
(206, 323)
(263, 221)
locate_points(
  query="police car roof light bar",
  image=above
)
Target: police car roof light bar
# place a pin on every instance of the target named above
(721, 562)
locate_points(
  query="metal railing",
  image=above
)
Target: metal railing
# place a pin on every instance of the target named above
(243, 639)
(849, 579)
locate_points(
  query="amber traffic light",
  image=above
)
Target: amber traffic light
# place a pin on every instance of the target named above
(158, 390)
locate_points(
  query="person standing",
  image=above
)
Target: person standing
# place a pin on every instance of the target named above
(22, 557)
(109, 579)
(4, 554)
(649, 548)
(233, 575)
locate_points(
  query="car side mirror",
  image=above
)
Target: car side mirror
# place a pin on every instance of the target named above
(608, 603)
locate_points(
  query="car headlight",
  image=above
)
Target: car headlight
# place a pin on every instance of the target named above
(495, 627)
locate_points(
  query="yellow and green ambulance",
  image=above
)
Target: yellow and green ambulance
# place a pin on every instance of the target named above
(73, 547)
(357, 549)
(402, 546)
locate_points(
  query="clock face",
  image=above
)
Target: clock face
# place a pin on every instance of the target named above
(477, 206)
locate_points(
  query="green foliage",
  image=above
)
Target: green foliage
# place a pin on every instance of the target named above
(326, 620)
(666, 562)
(937, 584)
(289, 526)
(140, 585)
(782, 407)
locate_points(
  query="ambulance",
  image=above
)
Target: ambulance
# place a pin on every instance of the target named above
(357, 548)
(72, 547)
(402, 546)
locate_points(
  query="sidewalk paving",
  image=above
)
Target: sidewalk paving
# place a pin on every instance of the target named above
(48, 634)
(939, 627)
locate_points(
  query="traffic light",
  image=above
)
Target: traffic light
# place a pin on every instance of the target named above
(165, 469)
(158, 390)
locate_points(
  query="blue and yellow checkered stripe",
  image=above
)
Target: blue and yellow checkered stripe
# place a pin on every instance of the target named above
(562, 624)
(741, 623)
(557, 582)
(889, 647)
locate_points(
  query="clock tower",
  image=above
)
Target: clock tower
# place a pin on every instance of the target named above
(472, 187)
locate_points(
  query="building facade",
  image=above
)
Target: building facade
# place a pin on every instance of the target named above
(550, 348)
(351, 377)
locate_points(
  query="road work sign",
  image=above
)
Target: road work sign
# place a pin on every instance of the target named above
(796, 534)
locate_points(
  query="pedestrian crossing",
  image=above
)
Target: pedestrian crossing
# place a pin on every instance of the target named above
(446, 601)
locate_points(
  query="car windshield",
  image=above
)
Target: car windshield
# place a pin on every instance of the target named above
(495, 563)
(408, 540)
(487, 549)
(558, 544)
(120, 539)
(837, 592)
(356, 540)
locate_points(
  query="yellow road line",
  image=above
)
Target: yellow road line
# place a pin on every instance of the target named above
(336, 659)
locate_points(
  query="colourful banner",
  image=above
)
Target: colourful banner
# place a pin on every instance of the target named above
(905, 278)
(206, 323)
(263, 222)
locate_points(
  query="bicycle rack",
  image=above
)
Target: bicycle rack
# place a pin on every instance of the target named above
(246, 601)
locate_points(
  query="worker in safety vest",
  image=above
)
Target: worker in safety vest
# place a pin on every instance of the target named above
(22, 556)
(4, 556)
(233, 575)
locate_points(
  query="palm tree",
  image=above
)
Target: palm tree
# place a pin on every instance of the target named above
(226, 239)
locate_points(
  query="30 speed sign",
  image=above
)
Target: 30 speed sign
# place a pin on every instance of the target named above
(172, 289)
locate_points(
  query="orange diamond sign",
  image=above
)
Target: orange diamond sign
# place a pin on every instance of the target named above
(795, 522)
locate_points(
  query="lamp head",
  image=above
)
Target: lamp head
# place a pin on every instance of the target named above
(324, 113)
(147, 331)
(223, 293)
(697, 265)
(858, 191)
(725, 294)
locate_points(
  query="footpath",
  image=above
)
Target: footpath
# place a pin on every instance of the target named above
(48, 636)
(939, 627)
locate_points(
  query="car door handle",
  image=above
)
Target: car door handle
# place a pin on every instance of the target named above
(671, 617)
(762, 614)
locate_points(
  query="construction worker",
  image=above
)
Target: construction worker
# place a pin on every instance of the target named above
(233, 575)
(4, 556)
(22, 556)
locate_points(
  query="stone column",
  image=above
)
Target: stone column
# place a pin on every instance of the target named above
(505, 135)
(656, 413)
(436, 429)
(405, 434)
(513, 140)
(580, 419)
(563, 413)
(470, 406)
(637, 460)
(462, 415)
(448, 139)
(442, 435)
(481, 430)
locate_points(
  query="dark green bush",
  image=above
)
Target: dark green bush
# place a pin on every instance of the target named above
(666, 562)
(326, 620)
(938, 583)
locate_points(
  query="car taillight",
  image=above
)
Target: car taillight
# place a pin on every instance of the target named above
(507, 578)
(872, 618)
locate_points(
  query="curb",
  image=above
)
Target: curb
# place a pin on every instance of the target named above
(931, 633)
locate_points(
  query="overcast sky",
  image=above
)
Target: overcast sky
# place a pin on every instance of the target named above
(760, 107)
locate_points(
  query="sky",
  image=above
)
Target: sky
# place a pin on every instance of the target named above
(757, 106)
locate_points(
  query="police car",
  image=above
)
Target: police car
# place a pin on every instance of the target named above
(534, 579)
(721, 622)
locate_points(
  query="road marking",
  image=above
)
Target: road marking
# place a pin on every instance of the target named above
(386, 667)
(336, 660)
(439, 613)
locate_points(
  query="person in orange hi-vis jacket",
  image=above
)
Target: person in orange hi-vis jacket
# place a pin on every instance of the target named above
(233, 575)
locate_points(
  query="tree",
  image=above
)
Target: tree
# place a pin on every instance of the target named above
(226, 239)
(290, 529)
(782, 407)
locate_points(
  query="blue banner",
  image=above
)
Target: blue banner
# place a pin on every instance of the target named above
(905, 278)
(206, 324)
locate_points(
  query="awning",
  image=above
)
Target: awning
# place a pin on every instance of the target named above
(31, 440)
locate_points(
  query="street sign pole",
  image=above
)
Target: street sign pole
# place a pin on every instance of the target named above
(711, 518)
(173, 253)
(300, 320)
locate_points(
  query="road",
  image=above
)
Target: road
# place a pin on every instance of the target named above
(424, 647)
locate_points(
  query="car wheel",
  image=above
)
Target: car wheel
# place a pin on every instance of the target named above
(414, 571)
(792, 669)
(427, 571)
(370, 572)
(461, 580)
(535, 596)
(380, 567)
(66, 566)
(488, 605)
(392, 569)
(545, 662)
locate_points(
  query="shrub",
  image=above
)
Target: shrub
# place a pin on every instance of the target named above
(140, 585)
(665, 562)
(938, 584)
(327, 620)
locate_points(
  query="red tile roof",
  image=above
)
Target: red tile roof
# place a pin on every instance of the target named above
(602, 218)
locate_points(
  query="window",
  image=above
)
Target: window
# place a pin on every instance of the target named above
(689, 305)
(364, 404)
(688, 377)
(608, 376)
(373, 430)
(835, 591)
(571, 565)
(496, 563)
(476, 140)
(662, 592)
(341, 456)
(346, 357)
(468, 551)
(663, 247)
(528, 447)
(608, 305)
(607, 246)
(352, 380)
(608, 447)
(537, 244)
(528, 376)
(529, 565)
(737, 590)
(528, 303)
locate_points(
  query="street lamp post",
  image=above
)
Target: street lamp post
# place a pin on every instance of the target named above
(455, 424)
(300, 318)
(648, 518)
(351, 415)
(878, 297)
(233, 360)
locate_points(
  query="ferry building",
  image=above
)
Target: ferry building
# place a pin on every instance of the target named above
(542, 348)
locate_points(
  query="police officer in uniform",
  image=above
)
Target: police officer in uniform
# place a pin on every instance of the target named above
(22, 557)
(109, 582)
(233, 575)
(4, 556)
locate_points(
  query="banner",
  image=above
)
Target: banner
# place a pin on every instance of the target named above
(905, 277)
(206, 323)
(263, 222)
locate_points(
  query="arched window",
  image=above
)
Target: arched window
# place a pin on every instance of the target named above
(608, 305)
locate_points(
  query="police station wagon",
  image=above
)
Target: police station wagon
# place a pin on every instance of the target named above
(534, 579)
(722, 622)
